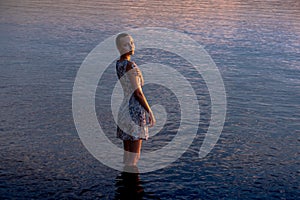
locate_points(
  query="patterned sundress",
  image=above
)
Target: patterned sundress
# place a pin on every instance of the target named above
(132, 123)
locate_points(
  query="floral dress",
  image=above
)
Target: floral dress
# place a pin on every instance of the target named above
(132, 124)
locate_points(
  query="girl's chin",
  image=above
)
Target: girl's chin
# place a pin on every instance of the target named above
(128, 53)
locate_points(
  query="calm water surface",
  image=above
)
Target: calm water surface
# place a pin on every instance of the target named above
(256, 46)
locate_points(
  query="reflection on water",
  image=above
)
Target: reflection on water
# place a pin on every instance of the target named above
(256, 47)
(131, 186)
(128, 186)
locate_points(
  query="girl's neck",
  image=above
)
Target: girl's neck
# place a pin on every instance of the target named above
(125, 57)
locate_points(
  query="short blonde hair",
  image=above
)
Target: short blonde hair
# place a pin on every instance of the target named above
(118, 38)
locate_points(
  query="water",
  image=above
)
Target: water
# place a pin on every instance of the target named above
(256, 48)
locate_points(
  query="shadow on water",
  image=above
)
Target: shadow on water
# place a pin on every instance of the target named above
(130, 186)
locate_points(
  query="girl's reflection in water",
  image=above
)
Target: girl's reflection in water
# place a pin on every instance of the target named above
(128, 185)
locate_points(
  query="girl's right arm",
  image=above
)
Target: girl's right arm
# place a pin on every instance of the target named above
(138, 92)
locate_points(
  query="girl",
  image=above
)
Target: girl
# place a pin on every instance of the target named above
(135, 110)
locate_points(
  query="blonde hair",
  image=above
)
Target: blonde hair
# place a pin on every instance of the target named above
(118, 38)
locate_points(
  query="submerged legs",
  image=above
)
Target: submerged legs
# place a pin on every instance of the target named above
(132, 151)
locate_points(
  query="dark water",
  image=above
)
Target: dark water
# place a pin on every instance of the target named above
(256, 46)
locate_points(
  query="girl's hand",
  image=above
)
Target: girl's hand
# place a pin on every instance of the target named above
(152, 119)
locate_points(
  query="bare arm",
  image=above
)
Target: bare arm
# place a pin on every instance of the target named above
(141, 76)
(139, 95)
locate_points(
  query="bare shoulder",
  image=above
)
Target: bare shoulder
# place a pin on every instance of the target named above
(131, 65)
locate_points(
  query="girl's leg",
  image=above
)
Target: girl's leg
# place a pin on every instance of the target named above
(132, 150)
(126, 152)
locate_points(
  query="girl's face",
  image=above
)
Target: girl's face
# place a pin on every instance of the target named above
(126, 45)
